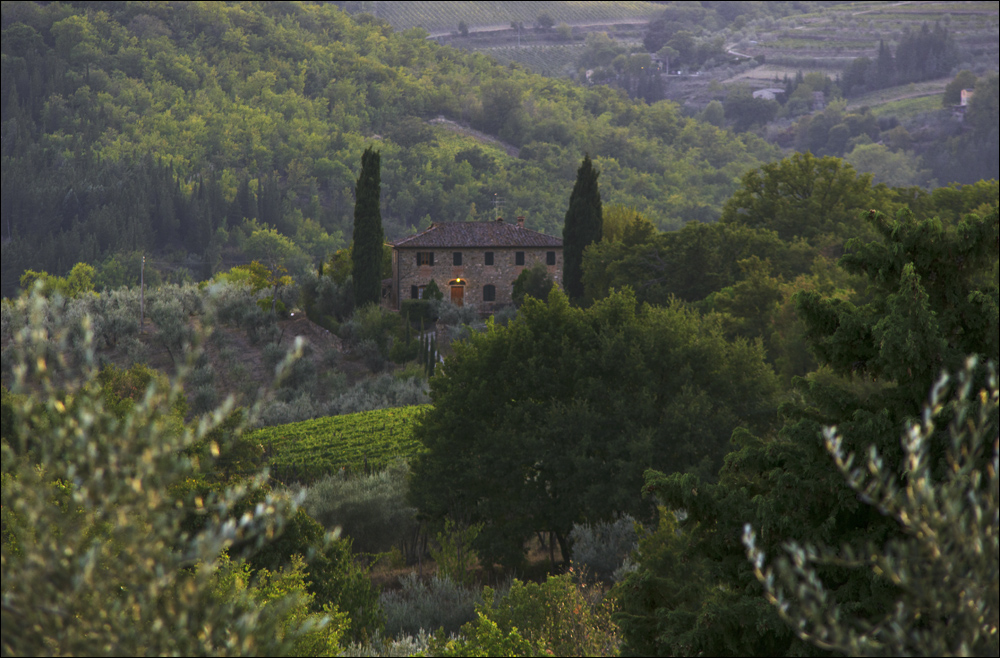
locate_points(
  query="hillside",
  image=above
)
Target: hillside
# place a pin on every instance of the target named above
(443, 18)
(181, 130)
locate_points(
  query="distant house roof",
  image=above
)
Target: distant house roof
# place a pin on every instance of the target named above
(478, 235)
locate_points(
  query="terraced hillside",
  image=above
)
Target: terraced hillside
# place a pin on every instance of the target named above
(832, 38)
(444, 17)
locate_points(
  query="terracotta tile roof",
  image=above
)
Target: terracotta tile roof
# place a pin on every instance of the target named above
(478, 234)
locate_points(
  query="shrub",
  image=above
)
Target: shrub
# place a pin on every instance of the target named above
(431, 291)
(378, 646)
(370, 509)
(403, 350)
(380, 392)
(602, 548)
(504, 315)
(325, 302)
(534, 281)
(556, 617)
(93, 563)
(272, 355)
(450, 314)
(439, 603)
(334, 578)
(172, 330)
(204, 398)
(373, 323)
(372, 355)
(419, 310)
(278, 412)
(454, 556)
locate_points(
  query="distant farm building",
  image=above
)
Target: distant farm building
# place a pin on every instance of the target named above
(473, 263)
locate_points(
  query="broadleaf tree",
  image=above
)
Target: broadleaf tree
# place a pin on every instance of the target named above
(369, 237)
(551, 420)
(927, 307)
(946, 569)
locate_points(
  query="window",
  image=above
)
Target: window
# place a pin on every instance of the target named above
(456, 258)
(550, 258)
(519, 258)
(489, 258)
(414, 292)
(425, 258)
(489, 293)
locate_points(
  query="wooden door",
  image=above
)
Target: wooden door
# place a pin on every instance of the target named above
(457, 295)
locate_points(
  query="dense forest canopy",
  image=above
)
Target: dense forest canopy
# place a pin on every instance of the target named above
(135, 127)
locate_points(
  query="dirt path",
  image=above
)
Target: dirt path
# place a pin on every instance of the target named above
(455, 127)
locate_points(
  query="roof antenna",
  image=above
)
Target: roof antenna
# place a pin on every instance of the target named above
(497, 205)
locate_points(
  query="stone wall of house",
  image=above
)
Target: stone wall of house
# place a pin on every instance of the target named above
(473, 272)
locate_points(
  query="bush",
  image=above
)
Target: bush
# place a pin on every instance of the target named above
(418, 310)
(601, 549)
(380, 392)
(172, 330)
(204, 398)
(91, 562)
(556, 617)
(373, 323)
(378, 646)
(272, 355)
(454, 556)
(334, 578)
(439, 603)
(370, 509)
(450, 314)
(534, 281)
(326, 303)
(372, 356)
(432, 292)
(278, 412)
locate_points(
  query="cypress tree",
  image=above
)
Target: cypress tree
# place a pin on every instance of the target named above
(366, 255)
(584, 225)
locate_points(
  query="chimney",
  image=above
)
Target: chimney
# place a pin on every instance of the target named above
(520, 221)
(499, 220)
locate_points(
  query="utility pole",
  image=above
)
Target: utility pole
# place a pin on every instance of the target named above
(142, 295)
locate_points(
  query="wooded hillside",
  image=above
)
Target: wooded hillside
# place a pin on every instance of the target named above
(161, 128)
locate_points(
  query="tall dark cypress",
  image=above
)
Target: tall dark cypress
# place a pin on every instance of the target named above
(366, 256)
(584, 225)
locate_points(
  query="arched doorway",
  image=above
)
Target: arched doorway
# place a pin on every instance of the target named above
(457, 291)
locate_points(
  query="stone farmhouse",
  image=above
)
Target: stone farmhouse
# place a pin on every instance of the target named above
(473, 263)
